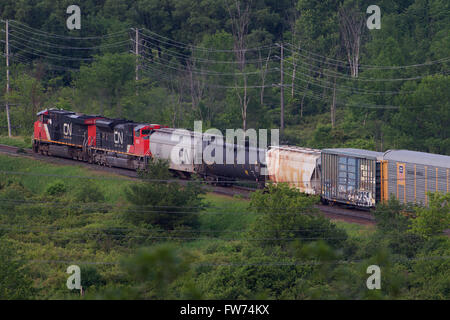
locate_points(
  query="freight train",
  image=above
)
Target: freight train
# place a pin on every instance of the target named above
(126, 144)
(355, 177)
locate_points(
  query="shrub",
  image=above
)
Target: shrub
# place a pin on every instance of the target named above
(162, 203)
(290, 214)
(89, 193)
(435, 218)
(56, 188)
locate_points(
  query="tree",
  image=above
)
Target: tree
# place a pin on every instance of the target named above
(158, 202)
(434, 219)
(352, 26)
(240, 19)
(108, 79)
(422, 121)
(288, 213)
(156, 269)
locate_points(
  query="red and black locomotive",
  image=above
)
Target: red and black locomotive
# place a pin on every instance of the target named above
(92, 138)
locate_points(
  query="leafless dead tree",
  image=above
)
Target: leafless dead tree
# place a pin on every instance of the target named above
(239, 13)
(263, 73)
(351, 24)
(197, 85)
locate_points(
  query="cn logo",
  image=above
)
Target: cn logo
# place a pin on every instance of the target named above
(118, 137)
(67, 129)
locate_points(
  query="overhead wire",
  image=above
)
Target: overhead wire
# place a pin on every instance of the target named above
(58, 46)
(190, 46)
(246, 264)
(206, 83)
(363, 66)
(192, 57)
(31, 30)
(168, 63)
(332, 74)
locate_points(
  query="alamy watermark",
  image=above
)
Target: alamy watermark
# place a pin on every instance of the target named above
(238, 147)
(74, 20)
(374, 281)
(74, 281)
(374, 21)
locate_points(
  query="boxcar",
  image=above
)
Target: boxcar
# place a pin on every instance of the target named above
(409, 175)
(351, 176)
(299, 167)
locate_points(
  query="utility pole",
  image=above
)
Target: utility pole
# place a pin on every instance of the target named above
(282, 91)
(137, 53)
(7, 80)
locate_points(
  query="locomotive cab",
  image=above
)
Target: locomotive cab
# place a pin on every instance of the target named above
(142, 134)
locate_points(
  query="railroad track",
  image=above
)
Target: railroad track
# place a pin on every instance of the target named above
(349, 215)
(339, 213)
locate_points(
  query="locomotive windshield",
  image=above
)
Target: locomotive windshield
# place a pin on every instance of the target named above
(145, 132)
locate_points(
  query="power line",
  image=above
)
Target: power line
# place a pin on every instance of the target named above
(247, 264)
(49, 55)
(26, 228)
(308, 66)
(31, 30)
(347, 88)
(167, 64)
(58, 46)
(150, 69)
(359, 105)
(194, 58)
(192, 47)
(368, 66)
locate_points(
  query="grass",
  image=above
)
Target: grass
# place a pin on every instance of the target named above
(356, 230)
(37, 175)
(18, 141)
(226, 213)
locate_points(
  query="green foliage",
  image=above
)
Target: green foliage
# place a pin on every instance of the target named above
(15, 282)
(91, 277)
(21, 142)
(430, 277)
(155, 270)
(56, 188)
(156, 201)
(393, 222)
(392, 216)
(290, 214)
(89, 193)
(435, 218)
(107, 79)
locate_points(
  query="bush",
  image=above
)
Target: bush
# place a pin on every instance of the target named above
(290, 214)
(14, 276)
(89, 194)
(393, 222)
(432, 220)
(165, 204)
(56, 188)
